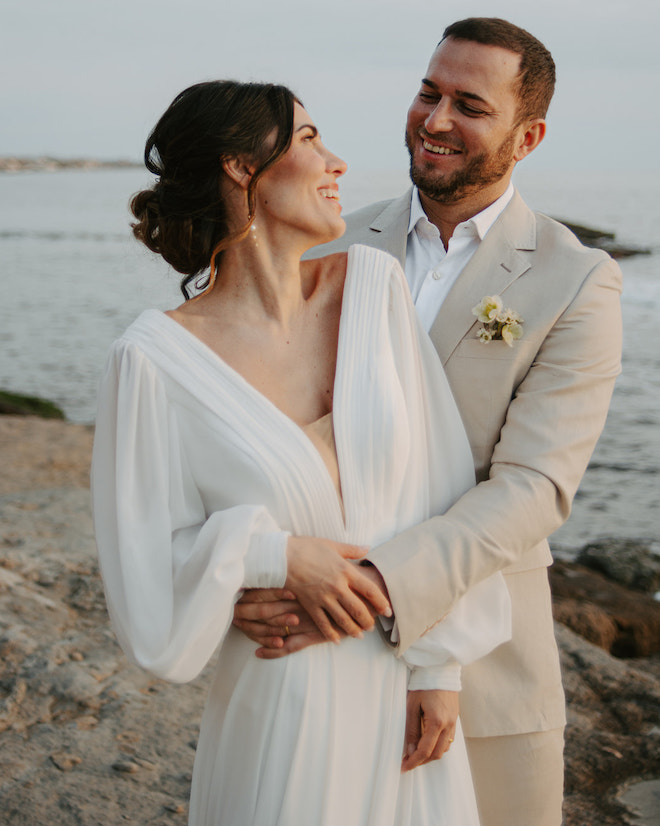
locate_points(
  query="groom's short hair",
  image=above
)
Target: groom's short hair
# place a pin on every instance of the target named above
(536, 78)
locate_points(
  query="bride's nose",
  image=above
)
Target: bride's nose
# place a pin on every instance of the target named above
(335, 164)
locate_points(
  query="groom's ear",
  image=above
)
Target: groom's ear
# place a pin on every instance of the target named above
(531, 134)
(239, 170)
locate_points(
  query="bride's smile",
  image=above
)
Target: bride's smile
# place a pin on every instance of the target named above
(300, 193)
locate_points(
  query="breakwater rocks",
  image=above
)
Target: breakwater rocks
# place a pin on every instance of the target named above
(48, 164)
(604, 240)
(86, 738)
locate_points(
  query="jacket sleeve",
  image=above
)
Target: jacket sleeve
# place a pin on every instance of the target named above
(478, 623)
(171, 571)
(551, 427)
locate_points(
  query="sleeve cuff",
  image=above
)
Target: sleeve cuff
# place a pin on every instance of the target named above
(265, 561)
(389, 630)
(445, 677)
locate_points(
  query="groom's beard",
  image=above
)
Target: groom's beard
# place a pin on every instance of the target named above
(481, 171)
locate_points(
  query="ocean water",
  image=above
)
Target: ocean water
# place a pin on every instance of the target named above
(73, 279)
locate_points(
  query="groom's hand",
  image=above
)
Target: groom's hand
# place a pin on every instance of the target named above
(430, 726)
(273, 618)
(268, 615)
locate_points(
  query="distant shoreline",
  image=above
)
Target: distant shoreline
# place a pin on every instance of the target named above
(589, 236)
(48, 164)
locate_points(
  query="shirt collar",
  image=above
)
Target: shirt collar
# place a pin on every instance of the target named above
(481, 222)
(416, 211)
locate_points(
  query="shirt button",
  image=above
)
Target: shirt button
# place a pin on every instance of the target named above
(436, 276)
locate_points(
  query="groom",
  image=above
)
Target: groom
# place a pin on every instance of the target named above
(533, 406)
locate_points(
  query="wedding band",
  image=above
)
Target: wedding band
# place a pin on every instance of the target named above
(286, 631)
(451, 739)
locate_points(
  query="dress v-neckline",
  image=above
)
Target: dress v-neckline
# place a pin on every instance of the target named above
(253, 422)
(239, 379)
(215, 360)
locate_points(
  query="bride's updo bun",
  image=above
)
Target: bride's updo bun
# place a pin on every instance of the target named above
(183, 217)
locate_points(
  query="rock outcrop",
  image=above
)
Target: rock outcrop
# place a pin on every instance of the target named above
(603, 240)
(624, 622)
(86, 738)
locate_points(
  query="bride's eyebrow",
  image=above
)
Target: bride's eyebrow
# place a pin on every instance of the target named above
(311, 126)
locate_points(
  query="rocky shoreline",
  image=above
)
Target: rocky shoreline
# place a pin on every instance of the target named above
(85, 738)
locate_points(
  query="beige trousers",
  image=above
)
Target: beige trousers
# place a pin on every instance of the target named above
(518, 779)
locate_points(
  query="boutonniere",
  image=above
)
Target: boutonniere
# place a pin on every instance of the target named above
(497, 322)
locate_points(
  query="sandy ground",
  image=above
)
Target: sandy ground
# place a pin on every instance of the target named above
(43, 453)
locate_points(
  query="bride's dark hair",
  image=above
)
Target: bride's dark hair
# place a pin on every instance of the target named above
(183, 217)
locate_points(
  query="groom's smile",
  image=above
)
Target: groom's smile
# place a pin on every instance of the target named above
(461, 131)
(439, 150)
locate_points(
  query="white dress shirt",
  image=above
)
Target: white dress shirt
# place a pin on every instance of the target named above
(431, 271)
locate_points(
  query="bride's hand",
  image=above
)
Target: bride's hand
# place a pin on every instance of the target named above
(430, 726)
(336, 594)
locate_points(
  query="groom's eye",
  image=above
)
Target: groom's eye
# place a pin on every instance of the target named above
(470, 110)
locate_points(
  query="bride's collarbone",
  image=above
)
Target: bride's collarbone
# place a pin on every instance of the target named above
(291, 365)
(292, 369)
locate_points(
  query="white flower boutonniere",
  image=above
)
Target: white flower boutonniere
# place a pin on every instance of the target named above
(497, 322)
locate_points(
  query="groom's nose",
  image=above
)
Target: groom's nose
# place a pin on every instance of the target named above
(440, 119)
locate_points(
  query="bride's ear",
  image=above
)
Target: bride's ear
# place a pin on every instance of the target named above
(239, 170)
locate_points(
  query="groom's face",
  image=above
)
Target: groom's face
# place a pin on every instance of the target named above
(462, 131)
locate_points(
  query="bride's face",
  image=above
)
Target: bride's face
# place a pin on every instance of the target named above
(299, 194)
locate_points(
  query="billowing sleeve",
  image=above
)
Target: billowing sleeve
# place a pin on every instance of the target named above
(171, 572)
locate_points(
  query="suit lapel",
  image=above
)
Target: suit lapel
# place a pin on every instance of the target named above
(498, 261)
(391, 226)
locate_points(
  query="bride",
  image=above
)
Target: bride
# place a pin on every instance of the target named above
(265, 434)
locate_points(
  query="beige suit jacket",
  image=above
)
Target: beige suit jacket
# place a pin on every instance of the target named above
(533, 413)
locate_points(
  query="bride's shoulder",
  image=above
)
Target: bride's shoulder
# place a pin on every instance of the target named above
(327, 273)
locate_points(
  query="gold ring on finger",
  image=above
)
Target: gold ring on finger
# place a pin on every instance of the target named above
(286, 631)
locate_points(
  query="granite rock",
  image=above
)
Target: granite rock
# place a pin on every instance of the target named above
(624, 622)
(630, 562)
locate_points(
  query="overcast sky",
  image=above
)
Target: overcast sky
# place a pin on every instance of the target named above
(90, 77)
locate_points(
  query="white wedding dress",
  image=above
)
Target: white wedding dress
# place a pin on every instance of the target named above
(198, 479)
